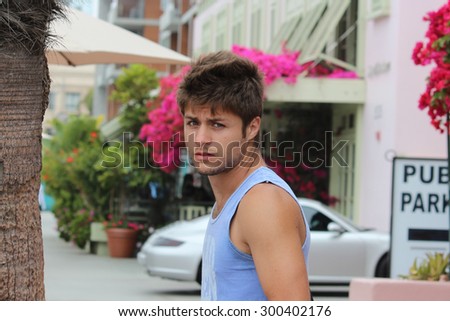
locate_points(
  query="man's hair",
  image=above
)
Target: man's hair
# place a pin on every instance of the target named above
(223, 81)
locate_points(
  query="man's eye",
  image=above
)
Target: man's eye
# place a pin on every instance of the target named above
(218, 125)
(191, 123)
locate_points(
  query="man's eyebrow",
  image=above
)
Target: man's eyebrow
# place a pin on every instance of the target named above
(216, 119)
(212, 119)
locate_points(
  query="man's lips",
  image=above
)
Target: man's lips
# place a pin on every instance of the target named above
(203, 155)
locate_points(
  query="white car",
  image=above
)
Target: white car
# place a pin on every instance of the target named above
(339, 250)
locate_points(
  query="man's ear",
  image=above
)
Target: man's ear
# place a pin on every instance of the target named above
(253, 128)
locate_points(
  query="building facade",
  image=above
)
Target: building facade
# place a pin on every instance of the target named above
(166, 22)
(70, 90)
(393, 125)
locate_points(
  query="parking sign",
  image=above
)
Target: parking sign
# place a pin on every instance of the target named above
(420, 211)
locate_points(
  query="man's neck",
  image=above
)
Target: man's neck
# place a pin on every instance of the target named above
(224, 184)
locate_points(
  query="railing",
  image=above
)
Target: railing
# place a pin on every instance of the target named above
(193, 210)
(157, 212)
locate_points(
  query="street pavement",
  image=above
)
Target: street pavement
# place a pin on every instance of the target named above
(72, 274)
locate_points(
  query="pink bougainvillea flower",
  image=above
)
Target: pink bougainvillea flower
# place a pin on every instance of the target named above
(164, 132)
(435, 51)
(273, 67)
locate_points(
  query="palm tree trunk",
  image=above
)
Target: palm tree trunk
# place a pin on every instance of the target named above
(24, 89)
(25, 85)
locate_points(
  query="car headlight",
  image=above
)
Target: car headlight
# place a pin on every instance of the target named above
(163, 241)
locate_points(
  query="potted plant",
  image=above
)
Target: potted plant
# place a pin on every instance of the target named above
(426, 281)
(431, 269)
(122, 235)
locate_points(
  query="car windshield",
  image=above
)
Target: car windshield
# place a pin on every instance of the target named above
(344, 218)
(319, 217)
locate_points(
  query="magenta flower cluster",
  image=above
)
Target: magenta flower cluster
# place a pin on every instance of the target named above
(436, 51)
(164, 122)
(285, 65)
(273, 67)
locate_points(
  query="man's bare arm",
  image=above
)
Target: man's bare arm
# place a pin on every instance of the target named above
(270, 227)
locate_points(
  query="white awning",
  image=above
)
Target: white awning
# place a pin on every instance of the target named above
(318, 90)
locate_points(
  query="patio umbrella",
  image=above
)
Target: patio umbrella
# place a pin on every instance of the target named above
(82, 40)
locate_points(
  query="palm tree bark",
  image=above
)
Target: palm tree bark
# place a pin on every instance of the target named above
(24, 89)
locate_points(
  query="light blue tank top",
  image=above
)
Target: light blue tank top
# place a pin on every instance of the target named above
(227, 273)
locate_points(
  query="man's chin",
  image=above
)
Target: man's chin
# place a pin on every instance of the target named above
(210, 170)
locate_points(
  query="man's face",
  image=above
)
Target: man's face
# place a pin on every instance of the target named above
(215, 142)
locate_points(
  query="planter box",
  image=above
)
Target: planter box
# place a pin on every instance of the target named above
(98, 243)
(383, 289)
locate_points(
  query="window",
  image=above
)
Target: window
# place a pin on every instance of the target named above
(293, 7)
(137, 30)
(312, 25)
(221, 30)
(52, 101)
(284, 34)
(324, 25)
(131, 9)
(206, 37)
(165, 38)
(342, 177)
(316, 220)
(346, 35)
(273, 20)
(163, 4)
(72, 102)
(204, 4)
(238, 23)
(256, 28)
(378, 8)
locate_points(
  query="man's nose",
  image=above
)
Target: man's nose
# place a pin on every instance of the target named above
(202, 135)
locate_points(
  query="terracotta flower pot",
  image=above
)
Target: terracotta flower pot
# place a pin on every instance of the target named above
(121, 242)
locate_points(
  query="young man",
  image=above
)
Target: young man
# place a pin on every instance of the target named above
(257, 242)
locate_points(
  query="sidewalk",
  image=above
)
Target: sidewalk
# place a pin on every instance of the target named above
(72, 274)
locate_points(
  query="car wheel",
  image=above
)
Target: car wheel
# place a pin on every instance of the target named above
(382, 269)
(199, 274)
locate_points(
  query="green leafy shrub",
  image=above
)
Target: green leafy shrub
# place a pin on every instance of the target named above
(70, 173)
(80, 173)
(133, 89)
(79, 227)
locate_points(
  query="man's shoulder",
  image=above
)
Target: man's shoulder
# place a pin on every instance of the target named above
(267, 209)
(266, 187)
(268, 196)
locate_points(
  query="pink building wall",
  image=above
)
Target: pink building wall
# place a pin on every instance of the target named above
(393, 125)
